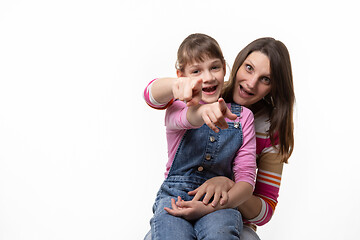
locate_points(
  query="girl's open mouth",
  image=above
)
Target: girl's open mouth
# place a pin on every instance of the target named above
(209, 90)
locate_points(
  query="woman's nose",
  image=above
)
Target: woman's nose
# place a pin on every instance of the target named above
(251, 83)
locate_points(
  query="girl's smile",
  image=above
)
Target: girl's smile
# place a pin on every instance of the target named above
(212, 72)
(209, 90)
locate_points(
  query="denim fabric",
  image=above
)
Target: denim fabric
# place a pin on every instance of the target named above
(201, 155)
(246, 234)
(221, 224)
(214, 152)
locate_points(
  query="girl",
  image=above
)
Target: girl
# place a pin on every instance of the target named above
(261, 79)
(196, 153)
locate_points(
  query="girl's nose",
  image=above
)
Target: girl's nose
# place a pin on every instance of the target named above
(208, 76)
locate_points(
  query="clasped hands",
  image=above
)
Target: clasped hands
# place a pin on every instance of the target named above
(216, 188)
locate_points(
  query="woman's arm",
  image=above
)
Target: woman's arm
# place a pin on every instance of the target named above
(260, 208)
(251, 208)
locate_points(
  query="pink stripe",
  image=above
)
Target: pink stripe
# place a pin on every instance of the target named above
(266, 190)
(146, 92)
(147, 97)
(262, 143)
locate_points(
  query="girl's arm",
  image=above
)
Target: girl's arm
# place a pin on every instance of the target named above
(212, 114)
(159, 93)
(161, 90)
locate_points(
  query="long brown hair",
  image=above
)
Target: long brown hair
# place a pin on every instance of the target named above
(279, 103)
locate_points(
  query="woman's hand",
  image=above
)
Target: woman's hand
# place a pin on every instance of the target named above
(216, 187)
(188, 90)
(189, 210)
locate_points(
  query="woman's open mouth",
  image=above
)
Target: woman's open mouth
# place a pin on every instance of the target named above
(245, 92)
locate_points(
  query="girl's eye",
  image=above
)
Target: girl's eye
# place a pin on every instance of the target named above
(215, 67)
(195, 71)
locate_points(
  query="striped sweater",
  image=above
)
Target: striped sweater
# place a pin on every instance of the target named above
(269, 165)
(269, 172)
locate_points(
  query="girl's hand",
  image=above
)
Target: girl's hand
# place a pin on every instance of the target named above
(216, 187)
(189, 210)
(188, 90)
(214, 115)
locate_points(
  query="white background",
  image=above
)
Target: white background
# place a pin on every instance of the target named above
(81, 154)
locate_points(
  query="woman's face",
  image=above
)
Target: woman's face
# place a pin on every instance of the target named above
(252, 81)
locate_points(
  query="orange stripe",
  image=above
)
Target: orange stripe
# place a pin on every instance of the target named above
(270, 175)
(271, 203)
(268, 180)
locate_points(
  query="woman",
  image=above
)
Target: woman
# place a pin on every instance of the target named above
(261, 79)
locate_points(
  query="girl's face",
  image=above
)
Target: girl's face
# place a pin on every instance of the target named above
(252, 81)
(212, 72)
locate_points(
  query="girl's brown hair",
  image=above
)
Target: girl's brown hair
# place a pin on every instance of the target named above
(279, 103)
(195, 48)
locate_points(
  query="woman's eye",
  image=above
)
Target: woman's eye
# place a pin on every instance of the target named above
(248, 67)
(266, 80)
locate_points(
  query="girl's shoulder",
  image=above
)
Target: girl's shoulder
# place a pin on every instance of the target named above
(246, 113)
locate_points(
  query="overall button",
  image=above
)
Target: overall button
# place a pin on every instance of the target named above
(208, 157)
(212, 139)
(200, 169)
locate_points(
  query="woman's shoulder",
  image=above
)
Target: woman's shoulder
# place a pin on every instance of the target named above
(262, 124)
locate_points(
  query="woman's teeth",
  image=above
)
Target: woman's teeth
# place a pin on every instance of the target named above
(249, 93)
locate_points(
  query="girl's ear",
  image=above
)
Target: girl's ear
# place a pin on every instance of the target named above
(179, 73)
(224, 67)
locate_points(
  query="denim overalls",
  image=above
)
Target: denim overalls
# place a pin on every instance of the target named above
(201, 155)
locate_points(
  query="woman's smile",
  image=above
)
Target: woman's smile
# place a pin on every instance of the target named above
(252, 79)
(245, 93)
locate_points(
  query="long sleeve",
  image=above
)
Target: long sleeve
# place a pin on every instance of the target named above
(151, 101)
(244, 166)
(269, 173)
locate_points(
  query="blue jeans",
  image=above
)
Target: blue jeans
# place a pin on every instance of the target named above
(225, 224)
(246, 234)
(222, 224)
